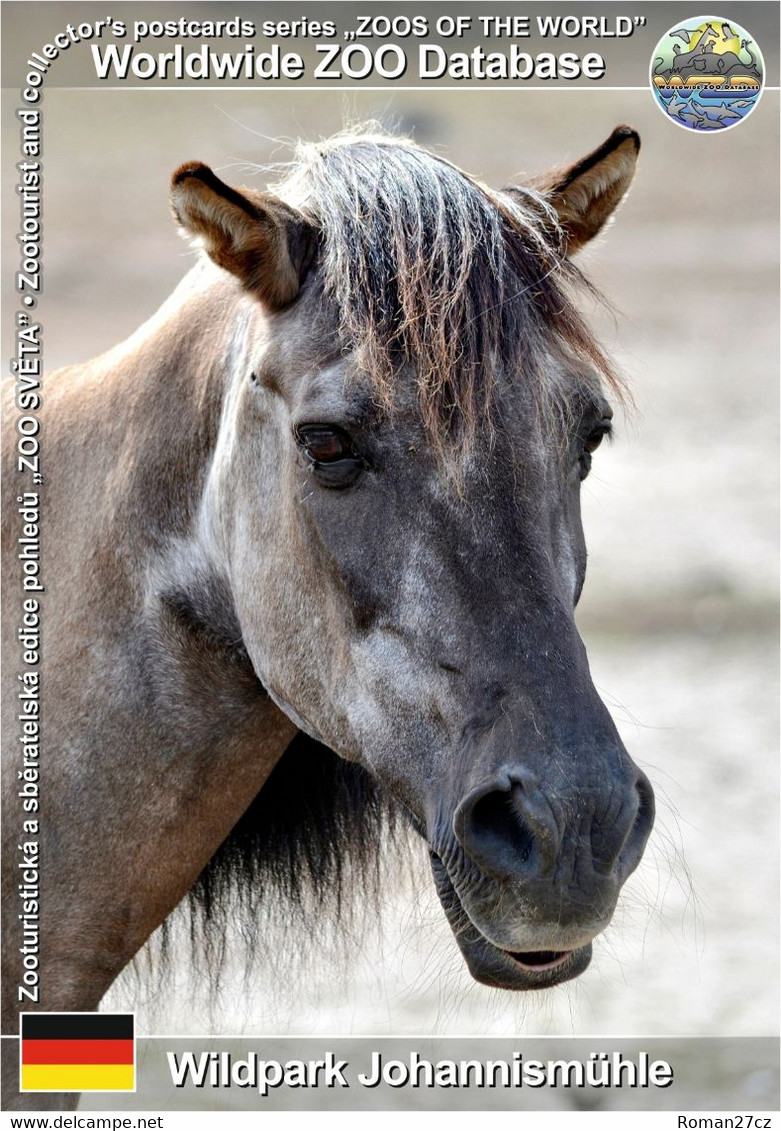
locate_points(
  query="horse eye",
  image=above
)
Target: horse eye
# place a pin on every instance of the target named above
(333, 459)
(592, 442)
(597, 435)
(323, 444)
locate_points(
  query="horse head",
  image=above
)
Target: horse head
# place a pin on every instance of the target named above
(412, 402)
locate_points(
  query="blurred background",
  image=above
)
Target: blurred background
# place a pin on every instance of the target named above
(679, 610)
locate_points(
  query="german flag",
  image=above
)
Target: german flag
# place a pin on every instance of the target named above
(77, 1052)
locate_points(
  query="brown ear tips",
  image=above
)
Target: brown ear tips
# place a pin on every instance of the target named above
(189, 169)
(588, 193)
(186, 178)
(623, 134)
(260, 240)
(201, 202)
(198, 172)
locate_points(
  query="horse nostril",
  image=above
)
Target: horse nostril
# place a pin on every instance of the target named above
(641, 828)
(508, 831)
(617, 844)
(494, 818)
(647, 804)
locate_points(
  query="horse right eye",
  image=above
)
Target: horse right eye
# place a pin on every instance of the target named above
(323, 444)
(330, 451)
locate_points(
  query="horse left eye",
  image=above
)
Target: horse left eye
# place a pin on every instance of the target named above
(597, 435)
(592, 442)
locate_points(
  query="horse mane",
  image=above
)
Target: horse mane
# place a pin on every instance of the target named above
(428, 266)
(308, 850)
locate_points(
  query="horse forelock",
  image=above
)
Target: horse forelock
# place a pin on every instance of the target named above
(428, 267)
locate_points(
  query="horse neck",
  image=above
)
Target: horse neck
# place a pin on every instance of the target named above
(166, 386)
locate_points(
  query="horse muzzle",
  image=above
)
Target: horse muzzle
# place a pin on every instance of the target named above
(527, 881)
(496, 966)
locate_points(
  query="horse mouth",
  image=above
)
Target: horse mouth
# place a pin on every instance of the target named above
(540, 960)
(504, 969)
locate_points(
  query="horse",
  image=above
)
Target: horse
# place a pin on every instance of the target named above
(313, 545)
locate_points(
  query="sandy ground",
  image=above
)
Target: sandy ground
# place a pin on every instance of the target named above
(679, 609)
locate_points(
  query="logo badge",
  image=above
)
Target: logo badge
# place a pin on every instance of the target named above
(707, 74)
(77, 1052)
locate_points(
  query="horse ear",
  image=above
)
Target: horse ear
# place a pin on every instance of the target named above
(586, 194)
(261, 240)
